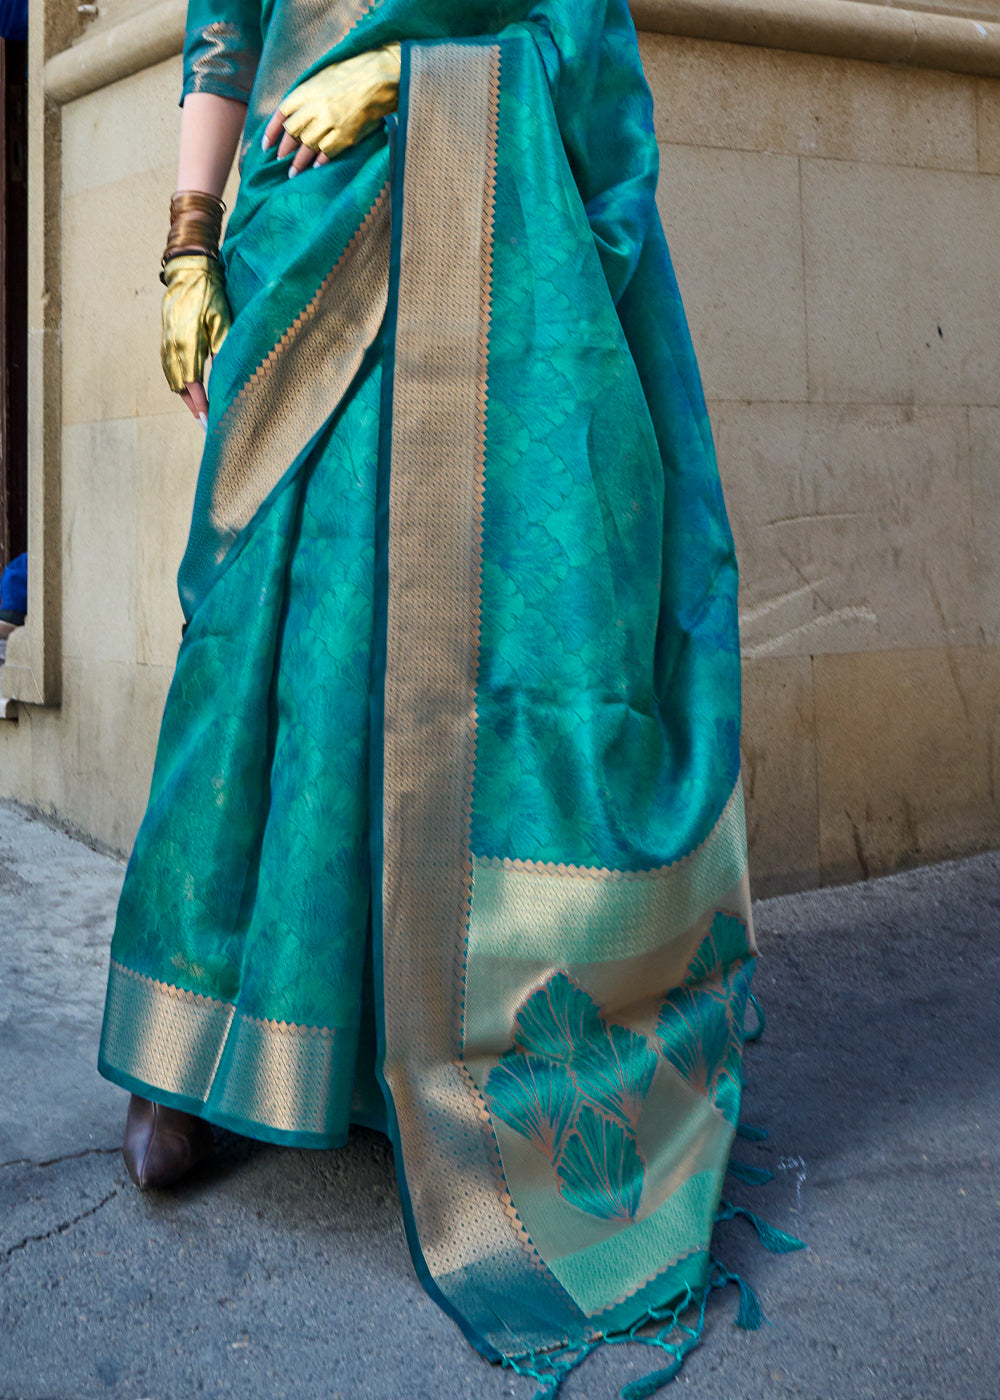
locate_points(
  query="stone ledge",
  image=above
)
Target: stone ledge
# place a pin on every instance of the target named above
(139, 42)
(838, 28)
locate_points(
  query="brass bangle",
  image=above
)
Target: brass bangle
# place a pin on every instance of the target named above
(184, 253)
(195, 224)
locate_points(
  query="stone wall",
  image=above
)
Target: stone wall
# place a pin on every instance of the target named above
(833, 226)
(129, 454)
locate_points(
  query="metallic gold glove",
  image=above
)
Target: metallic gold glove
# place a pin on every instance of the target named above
(196, 317)
(344, 101)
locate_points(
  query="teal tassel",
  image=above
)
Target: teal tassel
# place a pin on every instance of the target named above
(777, 1241)
(751, 1176)
(751, 1314)
(774, 1240)
(649, 1385)
(549, 1369)
(750, 1132)
(667, 1340)
(758, 1031)
(674, 1337)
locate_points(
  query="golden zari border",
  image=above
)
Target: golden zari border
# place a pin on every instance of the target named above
(298, 36)
(276, 1073)
(732, 814)
(438, 901)
(435, 511)
(294, 391)
(578, 914)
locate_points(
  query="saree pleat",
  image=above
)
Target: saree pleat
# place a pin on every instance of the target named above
(450, 764)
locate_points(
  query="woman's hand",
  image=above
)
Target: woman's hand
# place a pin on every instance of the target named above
(196, 321)
(334, 108)
(210, 133)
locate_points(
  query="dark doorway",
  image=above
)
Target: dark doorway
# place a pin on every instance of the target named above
(13, 299)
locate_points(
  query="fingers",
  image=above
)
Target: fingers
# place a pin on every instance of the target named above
(288, 145)
(304, 157)
(273, 130)
(194, 396)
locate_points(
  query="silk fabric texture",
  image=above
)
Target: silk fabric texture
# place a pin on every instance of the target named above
(446, 833)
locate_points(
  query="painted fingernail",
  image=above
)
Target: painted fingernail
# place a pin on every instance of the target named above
(264, 142)
(203, 420)
(292, 172)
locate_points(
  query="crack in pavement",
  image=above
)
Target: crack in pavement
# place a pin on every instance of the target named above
(54, 1161)
(62, 1228)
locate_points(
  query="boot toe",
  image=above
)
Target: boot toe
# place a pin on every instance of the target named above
(162, 1144)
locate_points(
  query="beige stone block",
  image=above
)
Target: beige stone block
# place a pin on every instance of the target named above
(901, 283)
(967, 9)
(117, 713)
(908, 758)
(168, 452)
(853, 526)
(123, 131)
(15, 755)
(111, 13)
(988, 113)
(111, 298)
(92, 759)
(99, 529)
(112, 241)
(984, 433)
(128, 129)
(89, 762)
(54, 748)
(733, 224)
(742, 98)
(779, 774)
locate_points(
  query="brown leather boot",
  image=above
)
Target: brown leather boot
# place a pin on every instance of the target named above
(162, 1144)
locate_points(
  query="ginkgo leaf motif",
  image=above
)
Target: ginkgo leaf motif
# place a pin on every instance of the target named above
(726, 942)
(557, 1019)
(695, 1034)
(615, 1069)
(535, 1097)
(728, 1088)
(736, 984)
(601, 1170)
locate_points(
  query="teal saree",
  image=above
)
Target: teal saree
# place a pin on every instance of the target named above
(446, 831)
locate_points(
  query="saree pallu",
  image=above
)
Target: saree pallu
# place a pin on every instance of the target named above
(446, 831)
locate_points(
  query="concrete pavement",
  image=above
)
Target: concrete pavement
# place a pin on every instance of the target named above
(274, 1273)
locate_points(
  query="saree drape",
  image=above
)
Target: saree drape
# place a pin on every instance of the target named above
(446, 830)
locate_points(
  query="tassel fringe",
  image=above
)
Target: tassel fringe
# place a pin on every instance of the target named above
(649, 1385)
(750, 1316)
(749, 1132)
(550, 1368)
(750, 1176)
(674, 1338)
(774, 1241)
